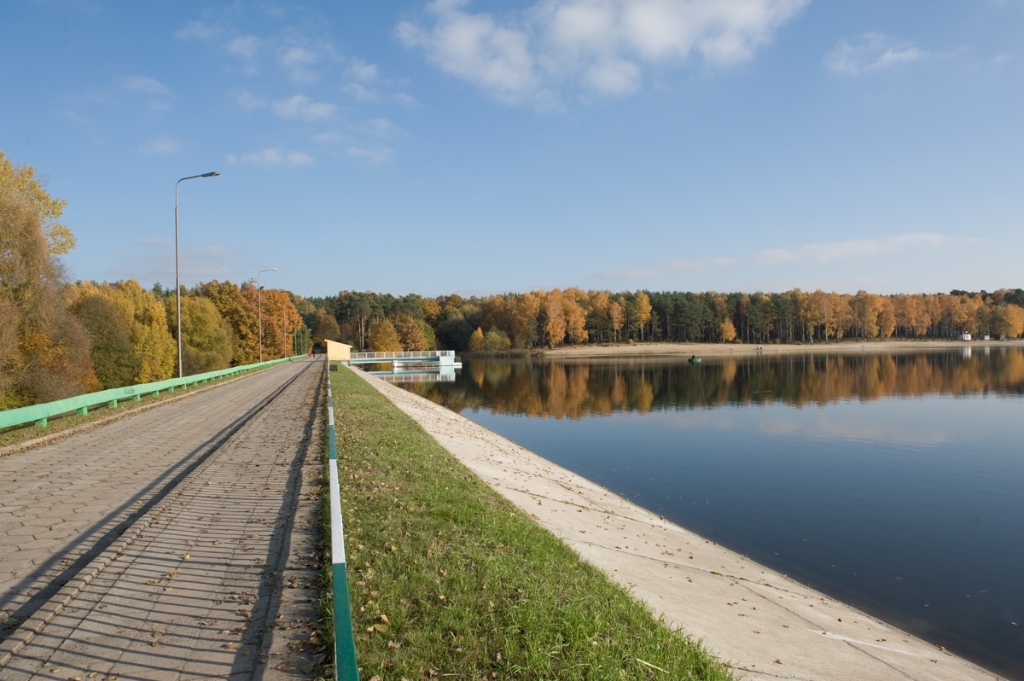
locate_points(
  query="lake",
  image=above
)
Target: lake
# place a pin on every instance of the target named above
(893, 482)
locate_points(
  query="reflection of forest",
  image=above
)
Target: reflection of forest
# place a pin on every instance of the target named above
(573, 390)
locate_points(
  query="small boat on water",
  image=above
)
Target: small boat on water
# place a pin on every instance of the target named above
(694, 359)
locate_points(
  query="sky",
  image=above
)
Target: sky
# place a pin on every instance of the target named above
(470, 147)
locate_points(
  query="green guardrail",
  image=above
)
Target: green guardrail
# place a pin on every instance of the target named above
(40, 414)
(345, 667)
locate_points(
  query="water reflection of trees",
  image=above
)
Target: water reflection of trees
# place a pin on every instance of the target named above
(573, 390)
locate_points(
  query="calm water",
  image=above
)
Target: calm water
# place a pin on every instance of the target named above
(895, 483)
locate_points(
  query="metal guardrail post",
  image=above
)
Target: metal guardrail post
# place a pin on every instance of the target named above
(345, 668)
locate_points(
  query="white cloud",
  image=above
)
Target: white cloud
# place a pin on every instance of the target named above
(853, 249)
(331, 138)
(247, 100)
(361, 92)
(306, 62)
(245, 46)
(273, 157)
(162, 145)
(868, 53)
(197, 30)
(476, 48)
(599, 46)
(375, 155)
(363, 71)
(303, 108)
(403, 99)
(145, 85)
(615, 77)
(297, 62)
(379, 126)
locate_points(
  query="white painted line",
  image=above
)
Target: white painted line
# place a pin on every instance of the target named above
(337, 530)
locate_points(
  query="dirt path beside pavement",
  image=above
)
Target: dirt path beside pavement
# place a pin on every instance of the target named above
(765, 625)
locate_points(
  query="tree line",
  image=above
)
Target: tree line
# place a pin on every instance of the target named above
(59, 339)
(547, 319)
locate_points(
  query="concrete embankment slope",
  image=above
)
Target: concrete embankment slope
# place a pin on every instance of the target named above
(766, 626)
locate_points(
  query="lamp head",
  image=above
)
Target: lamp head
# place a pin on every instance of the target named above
(210, 174)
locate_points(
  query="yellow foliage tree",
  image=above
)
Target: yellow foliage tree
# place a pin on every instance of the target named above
(44, 350)
(383, 337)
(476, 341)
(728, 331)
(575, 316)
(554, 318)
(21, 180)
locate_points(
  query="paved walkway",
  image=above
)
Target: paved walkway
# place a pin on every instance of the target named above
(176, 543)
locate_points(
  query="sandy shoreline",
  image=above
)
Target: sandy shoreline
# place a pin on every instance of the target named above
(742, 350)
(765, 625)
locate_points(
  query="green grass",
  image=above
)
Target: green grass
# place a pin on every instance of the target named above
(450, 580)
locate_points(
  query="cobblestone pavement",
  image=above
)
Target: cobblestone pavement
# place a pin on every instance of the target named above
(177, 543)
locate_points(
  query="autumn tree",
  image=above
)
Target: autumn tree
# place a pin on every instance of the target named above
(640, 312)
(280, 322)
(886, 318)
(431, 310)
(21, 181)
(206, 335)
(410, 333)
(496, 341)
(616, 317)
(238, 309)
(324, 326)
(575, 316)
(383, 337)
(523, 320)
(476, 341)
(864, 309)
(113, 357)
(152, 342)
(598, 321)
(728, 331)
(554, 318)
(44, 350)
(1008, 321)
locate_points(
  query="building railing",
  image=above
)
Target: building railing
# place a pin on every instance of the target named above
(40, 414)
(404, 354)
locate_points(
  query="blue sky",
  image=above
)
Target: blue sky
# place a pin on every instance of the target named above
(474, 147)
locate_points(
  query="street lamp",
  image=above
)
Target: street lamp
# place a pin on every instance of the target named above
(177, 268)
(259, 306)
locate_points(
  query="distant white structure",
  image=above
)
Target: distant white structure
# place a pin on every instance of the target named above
(966, 337)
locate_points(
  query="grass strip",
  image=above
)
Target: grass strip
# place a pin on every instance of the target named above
(449, 579)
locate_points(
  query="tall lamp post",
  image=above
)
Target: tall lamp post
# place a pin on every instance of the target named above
(259, 306)
(177, 266)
